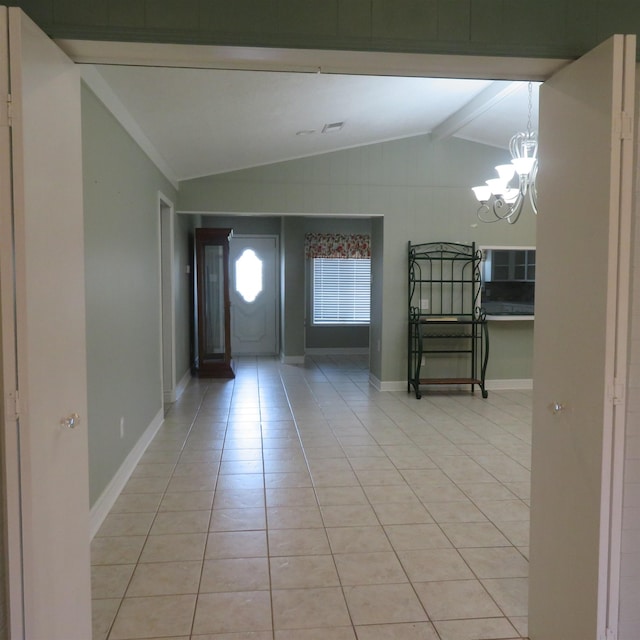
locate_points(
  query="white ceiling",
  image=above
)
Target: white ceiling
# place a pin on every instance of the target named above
(208, 121)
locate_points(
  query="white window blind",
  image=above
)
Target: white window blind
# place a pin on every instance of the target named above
(341, 290)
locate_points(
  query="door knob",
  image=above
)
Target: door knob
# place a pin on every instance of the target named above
(557, 407)
(71, 421)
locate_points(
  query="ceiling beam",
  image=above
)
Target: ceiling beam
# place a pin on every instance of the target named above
(478, 105)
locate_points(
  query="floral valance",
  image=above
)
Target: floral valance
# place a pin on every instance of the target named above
(337, 245)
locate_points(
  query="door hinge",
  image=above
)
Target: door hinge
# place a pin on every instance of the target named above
(617, 392)
(13, 405)
(624, 126)
(10, 110)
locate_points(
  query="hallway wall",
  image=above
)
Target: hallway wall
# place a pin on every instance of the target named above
(122, 290)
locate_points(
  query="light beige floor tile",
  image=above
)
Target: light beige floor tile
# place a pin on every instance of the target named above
(236, 544)
(390, 493)
(309, 608)
(195, 469)
(440, 493)
(423, 565)
(455, 512)
(285, 480)
(328, 496)
(235, 574)
(241, 454)
(294, 517)
(330, 478)
(223, 613)
(456, 599)
(481, 629)
(158, 470)
(335, 464)
(126, 524)
(417, 536)
(165, 578)
(383, 604)
(174, 547)
(379, 567)
(474, 534)
(348, 516)
(521, 623)
(298, 542)
(103, 614)
(511, 594)
(110, 581)
(516, 532)
(401, 631)
(239, 498)
(205, 455)
(291, 497)
(299, 572)
(155, 457)
(237, 519)
(136, 503)
(486, 491)
(337, 633)
(187, 501)
(356, 443)
(358, 539)
(379, 477)
(240, 467)
(402, 513)
(241, 481)
(504, 510)
(154, 617)
(179, 484)
(116, 550)
(497, 562)
(180, 522)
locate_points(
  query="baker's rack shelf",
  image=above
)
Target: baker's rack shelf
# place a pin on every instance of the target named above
(448, 339)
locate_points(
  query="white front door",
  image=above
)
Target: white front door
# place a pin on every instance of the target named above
(253, 289)
(582, 289)
(42, 248)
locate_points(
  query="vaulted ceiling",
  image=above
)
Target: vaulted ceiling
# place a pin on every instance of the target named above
(209, 121)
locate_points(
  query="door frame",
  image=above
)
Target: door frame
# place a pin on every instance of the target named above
(10, 464)
(166, 267)
(313, 61)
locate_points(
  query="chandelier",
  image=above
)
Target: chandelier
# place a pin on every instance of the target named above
(502, 198)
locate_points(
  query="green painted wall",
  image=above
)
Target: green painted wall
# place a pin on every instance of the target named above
(122, 289)
(421, 190)
(543, 28)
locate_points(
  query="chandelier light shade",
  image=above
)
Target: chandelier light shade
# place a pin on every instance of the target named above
(503, 198)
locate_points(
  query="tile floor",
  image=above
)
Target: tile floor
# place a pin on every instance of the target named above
(298, 503)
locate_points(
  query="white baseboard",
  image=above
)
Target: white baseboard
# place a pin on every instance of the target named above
(103, 504)
(509, 384)
(337, 351)
(173, 395)
(291, 359)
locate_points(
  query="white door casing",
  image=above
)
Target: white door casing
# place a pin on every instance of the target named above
(48, 246)
(580, 342)
(254, 324)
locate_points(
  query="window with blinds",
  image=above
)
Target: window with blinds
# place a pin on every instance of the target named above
(341, 291)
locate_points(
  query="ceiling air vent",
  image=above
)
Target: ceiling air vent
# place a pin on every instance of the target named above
(333, 126)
